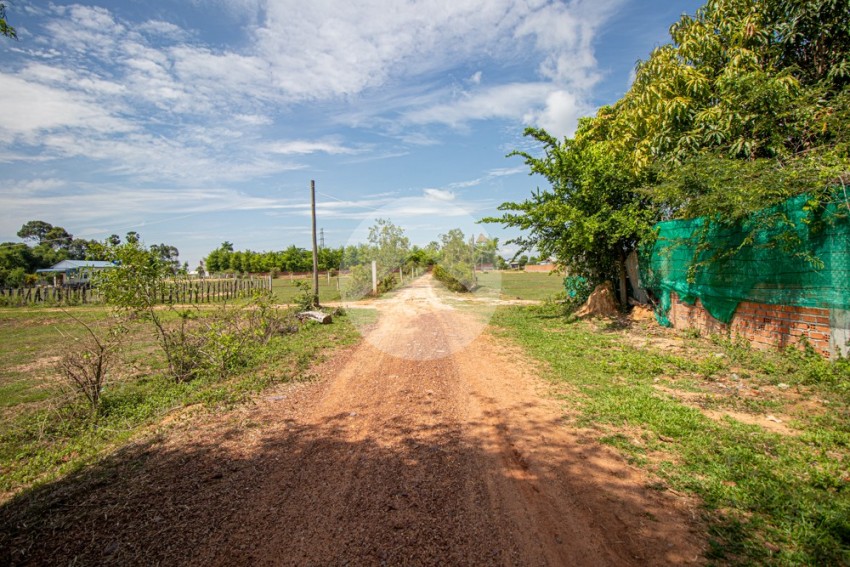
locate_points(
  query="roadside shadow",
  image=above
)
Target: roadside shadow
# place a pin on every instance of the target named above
(425, 491)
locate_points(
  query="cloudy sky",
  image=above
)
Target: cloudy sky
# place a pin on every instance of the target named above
(198, 121)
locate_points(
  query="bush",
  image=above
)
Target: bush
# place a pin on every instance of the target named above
(461, 284)
(359, 282)
(387, 283)
(86, 362)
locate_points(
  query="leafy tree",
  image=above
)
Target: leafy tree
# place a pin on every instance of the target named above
(748, 106)
(35, 230)
(486, 250)
(81, 249)
(390, 246)
(593, 215)
(16, 260)
(422, 257)
(134, 287)
(57, 238)
(456, 267)
(759, 82)
(168, 254)
(5, 28)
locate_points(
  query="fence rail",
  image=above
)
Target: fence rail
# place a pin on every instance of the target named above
(173, 291)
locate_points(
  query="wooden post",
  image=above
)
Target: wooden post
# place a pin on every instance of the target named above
(374, 277)
(315, 245)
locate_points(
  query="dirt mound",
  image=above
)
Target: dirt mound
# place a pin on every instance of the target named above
(601, 303)
(642, 313)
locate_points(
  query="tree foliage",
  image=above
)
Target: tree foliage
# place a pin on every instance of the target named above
(456, 266)
(747, 106)
(593, 214)
(390, 247)
(5, 28)
(292, 259)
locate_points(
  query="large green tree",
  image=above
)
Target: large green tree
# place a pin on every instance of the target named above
(592, 215)
(751, 97)
(746, 107)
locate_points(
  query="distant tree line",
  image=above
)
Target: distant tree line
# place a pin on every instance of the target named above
(46, 245)
(388, 246)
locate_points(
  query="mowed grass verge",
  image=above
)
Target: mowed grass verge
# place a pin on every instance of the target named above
(285, 289)
(523, 285)
(697, 413)
(46, 431)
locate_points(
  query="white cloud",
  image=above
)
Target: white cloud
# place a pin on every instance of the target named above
(151, 100)
(303, 147)
(560, 113)
(503, 101)
(439, 194)
(73, 203)
(253, 119)
(163, 29)
(30, 108)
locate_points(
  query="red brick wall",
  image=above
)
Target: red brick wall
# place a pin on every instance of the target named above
(539, 267)
(765, 326)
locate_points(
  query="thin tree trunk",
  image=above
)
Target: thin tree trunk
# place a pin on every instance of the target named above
(621, 264)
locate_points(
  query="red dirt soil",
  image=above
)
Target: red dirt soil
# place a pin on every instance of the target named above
(385, 460)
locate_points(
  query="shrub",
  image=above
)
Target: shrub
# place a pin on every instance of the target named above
(457, 280)
(86, 362)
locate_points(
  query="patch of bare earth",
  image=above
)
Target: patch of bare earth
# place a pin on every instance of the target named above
(391, 457)
(721, 396)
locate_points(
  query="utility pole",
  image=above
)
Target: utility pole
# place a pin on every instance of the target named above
(315, 248)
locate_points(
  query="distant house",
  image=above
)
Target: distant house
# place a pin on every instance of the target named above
(75, 272)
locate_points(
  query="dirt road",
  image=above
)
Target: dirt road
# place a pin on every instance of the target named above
(427, 444)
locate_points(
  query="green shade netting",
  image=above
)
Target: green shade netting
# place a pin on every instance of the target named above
(802, 259)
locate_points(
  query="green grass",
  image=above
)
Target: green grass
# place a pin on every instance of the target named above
(523, 285)
(285, 291)
(768, 498)
(30, 341)
(44, 433)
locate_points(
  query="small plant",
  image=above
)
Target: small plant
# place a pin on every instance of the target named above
(86, 362)
(266, 321)
(305, 299)
(692, 333)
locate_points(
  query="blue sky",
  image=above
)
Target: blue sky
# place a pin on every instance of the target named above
(198, 121)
